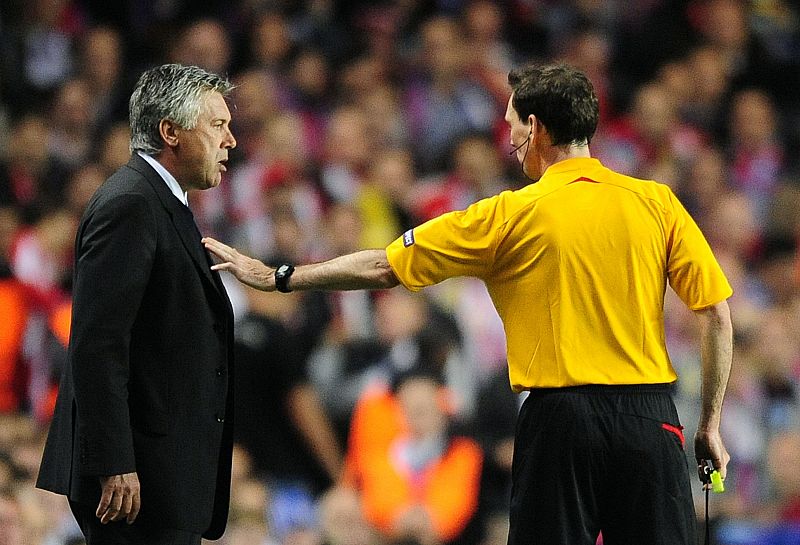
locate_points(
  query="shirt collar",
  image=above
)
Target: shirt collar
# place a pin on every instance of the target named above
(564, 172)
(572, 164)
(168, 178)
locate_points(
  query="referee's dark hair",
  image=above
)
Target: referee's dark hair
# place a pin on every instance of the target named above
(561, 97)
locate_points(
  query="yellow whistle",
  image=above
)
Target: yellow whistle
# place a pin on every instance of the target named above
(716, 482)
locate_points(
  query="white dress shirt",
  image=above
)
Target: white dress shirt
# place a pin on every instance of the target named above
(168, 178)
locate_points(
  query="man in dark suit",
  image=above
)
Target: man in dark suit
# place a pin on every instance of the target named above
(141, 438)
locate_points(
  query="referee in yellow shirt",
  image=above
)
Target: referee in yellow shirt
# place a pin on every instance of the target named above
(577, 265)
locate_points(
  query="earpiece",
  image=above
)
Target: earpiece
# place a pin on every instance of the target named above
(528, 139)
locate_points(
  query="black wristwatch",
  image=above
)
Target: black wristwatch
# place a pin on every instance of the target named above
(282, 275)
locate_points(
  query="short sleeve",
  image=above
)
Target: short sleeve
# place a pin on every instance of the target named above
(458, 243)
(692, 269)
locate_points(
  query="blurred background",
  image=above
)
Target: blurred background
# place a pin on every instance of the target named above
(386, 417)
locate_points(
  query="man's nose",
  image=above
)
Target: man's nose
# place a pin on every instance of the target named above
(230, 140)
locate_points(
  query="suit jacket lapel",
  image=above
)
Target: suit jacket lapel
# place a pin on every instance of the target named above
(182, 219)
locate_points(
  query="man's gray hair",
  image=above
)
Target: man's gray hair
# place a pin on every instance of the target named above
(173, 92)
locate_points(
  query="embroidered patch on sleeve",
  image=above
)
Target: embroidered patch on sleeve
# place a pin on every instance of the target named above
(408, 238)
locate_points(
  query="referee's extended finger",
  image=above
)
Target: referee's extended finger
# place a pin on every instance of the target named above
(224, 266)
(218, 248)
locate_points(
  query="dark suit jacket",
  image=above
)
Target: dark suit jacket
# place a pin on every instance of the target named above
(148, 386)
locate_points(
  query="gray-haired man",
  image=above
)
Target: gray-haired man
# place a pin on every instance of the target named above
(141, 438)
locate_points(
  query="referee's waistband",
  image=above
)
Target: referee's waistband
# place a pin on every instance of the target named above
(663, 387)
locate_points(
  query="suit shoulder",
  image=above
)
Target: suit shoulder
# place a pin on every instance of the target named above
(123, 192)
(127, 180)
(124, 182)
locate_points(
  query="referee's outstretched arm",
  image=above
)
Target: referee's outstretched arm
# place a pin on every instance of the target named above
(365, 269)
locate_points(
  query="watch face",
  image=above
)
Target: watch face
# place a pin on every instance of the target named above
(282, 274)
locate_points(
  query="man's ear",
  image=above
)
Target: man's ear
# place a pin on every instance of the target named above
(539, 131)
(169, 132)
(535, 125)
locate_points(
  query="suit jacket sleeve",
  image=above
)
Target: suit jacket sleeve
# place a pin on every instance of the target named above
(115, 253)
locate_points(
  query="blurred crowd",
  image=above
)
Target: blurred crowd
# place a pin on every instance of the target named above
(386, 418)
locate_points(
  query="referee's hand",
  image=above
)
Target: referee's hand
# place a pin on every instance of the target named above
(246, 269)
(708, 445)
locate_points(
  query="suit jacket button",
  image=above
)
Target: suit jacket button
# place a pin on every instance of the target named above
(220, 419)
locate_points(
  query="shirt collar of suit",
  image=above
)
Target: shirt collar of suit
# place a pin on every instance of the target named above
(168, 178)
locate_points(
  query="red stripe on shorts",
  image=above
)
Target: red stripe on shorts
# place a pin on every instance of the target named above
(676, 430)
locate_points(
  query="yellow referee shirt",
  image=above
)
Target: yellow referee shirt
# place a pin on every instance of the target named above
(576, 265)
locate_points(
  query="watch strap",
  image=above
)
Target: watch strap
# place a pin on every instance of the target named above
(282, 275)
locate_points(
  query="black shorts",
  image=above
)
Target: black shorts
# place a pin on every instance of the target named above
(601, 458)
